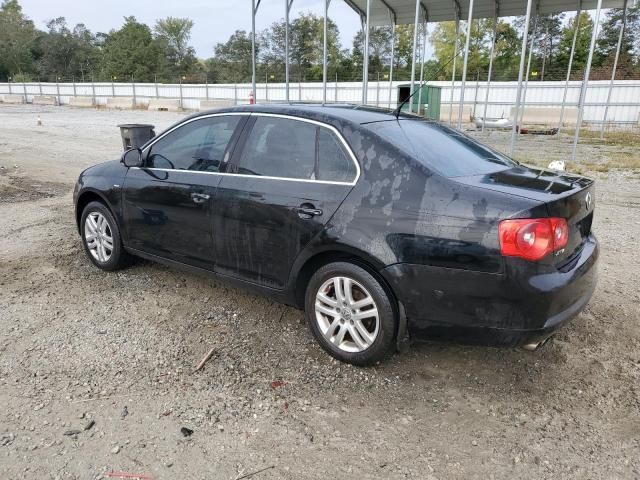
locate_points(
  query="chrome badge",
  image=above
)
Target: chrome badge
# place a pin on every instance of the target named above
(587, 199)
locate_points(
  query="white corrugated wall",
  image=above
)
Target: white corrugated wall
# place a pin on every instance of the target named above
(625, 98)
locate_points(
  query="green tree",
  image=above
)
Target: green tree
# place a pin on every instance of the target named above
(17, 35)
(305, 48)
(507, 51)
(64, 52)
(444, 37)
(232, 60)
(404, 46)
(546, 43)
(629, 60)
(173, 35)
(379, 50)
(132, 51)
(583, 41)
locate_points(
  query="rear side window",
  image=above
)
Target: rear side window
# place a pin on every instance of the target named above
(278, 147)
(334, 163)
(288, 148)
(443, 149)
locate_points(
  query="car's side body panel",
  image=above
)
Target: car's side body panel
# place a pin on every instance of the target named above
(258, 229)
(168, 213)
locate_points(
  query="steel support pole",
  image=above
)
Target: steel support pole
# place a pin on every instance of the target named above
(365, 57)
(254, 9)
(93, 91)
(133, 85)
(287, 9)
(413, 54)
(523, 54)
(324, 52)
(24, 89)
(585, 80)
(615, 66)
(453, 71)
(58, 90)
(422, 55)
(526, 78)
(393, 45)
(40, 85)
(464, 63)
(573, 49)
(493, 44)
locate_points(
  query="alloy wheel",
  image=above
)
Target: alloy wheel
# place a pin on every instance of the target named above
(347, 314)
(98, 236)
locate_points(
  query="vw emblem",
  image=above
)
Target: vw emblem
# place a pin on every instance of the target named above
(587, 199)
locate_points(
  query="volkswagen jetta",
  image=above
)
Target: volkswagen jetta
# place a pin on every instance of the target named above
(380, 227)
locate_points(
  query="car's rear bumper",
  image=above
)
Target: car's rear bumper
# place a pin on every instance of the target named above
(517, 307)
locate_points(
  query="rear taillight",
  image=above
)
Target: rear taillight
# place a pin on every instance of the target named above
(532, 238)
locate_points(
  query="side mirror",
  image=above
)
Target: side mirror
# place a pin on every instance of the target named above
(132, 158)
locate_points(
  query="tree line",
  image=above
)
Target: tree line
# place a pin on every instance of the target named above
(163, 53)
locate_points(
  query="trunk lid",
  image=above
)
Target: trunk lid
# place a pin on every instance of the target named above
(571, 197)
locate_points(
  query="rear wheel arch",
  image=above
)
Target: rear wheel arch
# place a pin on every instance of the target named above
(301, 280)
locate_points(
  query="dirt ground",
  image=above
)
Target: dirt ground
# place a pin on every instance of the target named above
(96, 369)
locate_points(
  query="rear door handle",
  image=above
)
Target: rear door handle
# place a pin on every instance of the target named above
(308, 211)
(199, 197)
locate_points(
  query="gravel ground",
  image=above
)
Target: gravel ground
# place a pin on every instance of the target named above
(96, 369)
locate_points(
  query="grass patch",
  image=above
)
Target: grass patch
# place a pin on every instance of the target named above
(622, 138)
(615, 161)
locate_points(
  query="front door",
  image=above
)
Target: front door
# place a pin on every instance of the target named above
(168, 203)
(289, 177)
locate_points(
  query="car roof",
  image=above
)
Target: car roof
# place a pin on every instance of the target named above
(329, 113)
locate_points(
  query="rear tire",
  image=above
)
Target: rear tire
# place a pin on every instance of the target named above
(101, 238)
(350, 314)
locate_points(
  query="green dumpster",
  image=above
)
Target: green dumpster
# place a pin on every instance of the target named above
(427, 104)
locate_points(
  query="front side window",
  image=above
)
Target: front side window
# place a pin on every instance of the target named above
(199, 145)
(287, 148)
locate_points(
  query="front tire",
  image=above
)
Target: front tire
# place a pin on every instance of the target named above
(101, 237)
(350, 314)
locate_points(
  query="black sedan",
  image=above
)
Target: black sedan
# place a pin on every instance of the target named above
(381, 228)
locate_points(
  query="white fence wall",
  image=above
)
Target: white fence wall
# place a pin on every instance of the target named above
(624, 109)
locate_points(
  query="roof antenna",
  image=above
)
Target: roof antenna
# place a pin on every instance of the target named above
(396, 112)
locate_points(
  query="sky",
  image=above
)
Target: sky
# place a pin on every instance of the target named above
(215, 20)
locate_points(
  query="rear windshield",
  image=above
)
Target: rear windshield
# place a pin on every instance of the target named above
(441, 148)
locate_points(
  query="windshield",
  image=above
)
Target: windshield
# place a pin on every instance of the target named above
(443, 149)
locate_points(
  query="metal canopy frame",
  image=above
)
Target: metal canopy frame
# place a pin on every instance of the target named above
(374, 13)
(442, 11)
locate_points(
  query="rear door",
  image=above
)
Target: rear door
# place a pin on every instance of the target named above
(168, 202)
(289, 177)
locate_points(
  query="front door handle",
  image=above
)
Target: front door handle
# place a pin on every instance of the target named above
(307, 210)
(199, 197)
